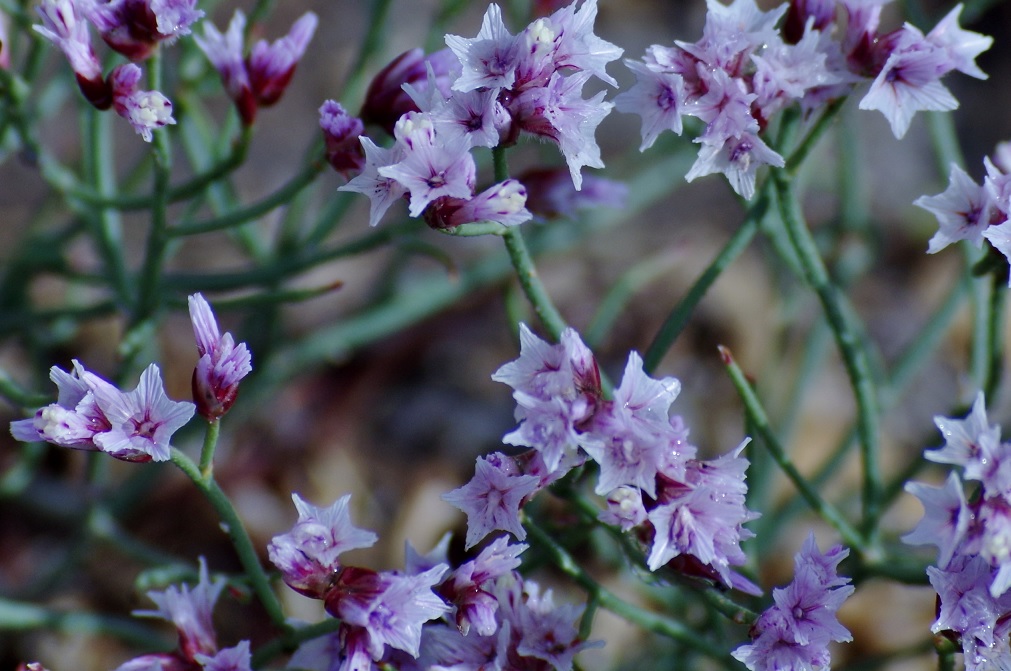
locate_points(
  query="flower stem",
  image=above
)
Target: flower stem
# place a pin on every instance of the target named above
(207, 451)
(848, 339)
(523, 263)
(756, 413)
(237, 533)
(18, 616)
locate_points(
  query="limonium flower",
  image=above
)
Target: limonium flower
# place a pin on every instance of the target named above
(795, 632)
(237, 658)
(135, 27)
(145, 110)
(190, 610)
(341, 132)
(259, 78)
(92, 414)
(972, 575)
(222, 363)
(64, 24)
(307, 555)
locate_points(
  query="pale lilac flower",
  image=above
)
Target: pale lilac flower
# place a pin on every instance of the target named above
(222, 363)
(75, 418)
(575, 45)
(142, 421)
(389, 609)
(658, 97)
(999, 235)
(493, 497)
(145, 110)
(431, 170)
(534, 627)
(323, 653)
(236, 658)
(732, 32)
(705, 518)
(739, 158)
(973, 444)
(135, 27)
(415, 563)
(307, 556)
(63, 24)
(5, 49)
(786, 72)
(502, 203)
(558, 111)
(967, 606)
(946, 517)
(962, 46)
(190, 610)
(470, 588)
(624, 508)
(910, 82)
(963, 211)
(993, 540)
(794, 633)
(158, 661)
(225, 52)
(382, 191)
(489, 60)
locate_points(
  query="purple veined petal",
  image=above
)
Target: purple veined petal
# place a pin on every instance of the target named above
(381, 191)
(962, 46)
(657, 97)
(490, 59)
(963, 211)
(236, 658)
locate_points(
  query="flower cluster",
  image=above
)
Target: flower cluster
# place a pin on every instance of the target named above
(743, 70)
(484, 92)
(968, 211)
(261, 77)
(486, 611)
(795, 632)
(133, 28)
(691, 511)
(973, 538)
(92, 414)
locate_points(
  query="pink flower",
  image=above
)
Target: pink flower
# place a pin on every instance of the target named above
(145, 110)
(222, 363)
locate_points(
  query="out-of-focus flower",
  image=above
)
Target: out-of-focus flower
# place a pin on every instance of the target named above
(135, 27)
(386, 99)
(236, 658)
(145, 110)
(190, 610)
(341, 132)
(222, 363)
(63, 24)
(260, 78)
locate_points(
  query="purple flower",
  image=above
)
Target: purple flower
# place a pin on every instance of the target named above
(962, 46)
(307, 555)
(222, 363)
(502, 203)
(63, 24)
(493, 497)
(135, 27)
(340, 132)
(236, 658)
(963, 211)
(946, 517)
(490, 59)
(387, 609)
(145, 110)
(142, 421)
(470, 587)
(382, 191)
(550, 193)
(974, 444)
(387, 98)
(260, 78)
(795, 632)
(739, 158)
(658, 97)
(910, 81)
(75, 418)
(190, 611)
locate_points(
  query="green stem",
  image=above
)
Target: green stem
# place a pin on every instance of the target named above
(523, 263)
(641, 617)
(150, 278)
(847, 338)
(236, 531)
(682, 311)
(14, 393)
(102, 168)
(207, 451)
(756, 413)
(18, 616)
